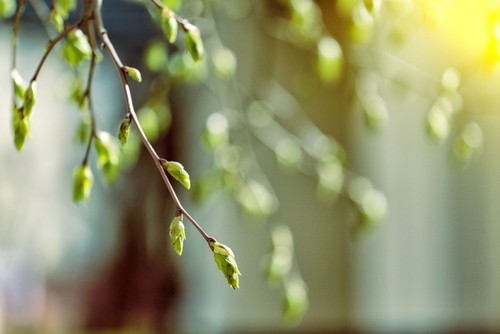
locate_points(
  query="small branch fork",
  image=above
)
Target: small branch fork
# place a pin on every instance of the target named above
(92, 14)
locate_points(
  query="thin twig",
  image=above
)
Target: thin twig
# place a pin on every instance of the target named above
(108, 45)
(53, 42)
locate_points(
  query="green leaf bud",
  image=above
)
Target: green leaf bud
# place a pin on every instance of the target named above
(177, 171)
(177, 234)
(21, 126)
(280, 260)
(83, 130)
(169, 25)
(76, 48)
(107, 155)
(30, 98)
(65, 6)
(124, 130)
(7, 8)
(18, 83)
(194, 43)
(226, 262)
(295, 301)
(82, 183)
(57, 20)
(133, 73)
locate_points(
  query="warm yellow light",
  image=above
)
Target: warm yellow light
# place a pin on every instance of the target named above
(471, 28)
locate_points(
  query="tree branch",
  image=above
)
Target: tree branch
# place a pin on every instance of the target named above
(108, 45)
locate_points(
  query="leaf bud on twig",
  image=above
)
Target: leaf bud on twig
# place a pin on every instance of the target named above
(169, 25)
(132, 72)
(177, 171)
(194, 44)
(124, 130)
(226, 262)
(82, 183)
(177, 233)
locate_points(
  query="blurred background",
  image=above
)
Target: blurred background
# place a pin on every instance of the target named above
(347, 151)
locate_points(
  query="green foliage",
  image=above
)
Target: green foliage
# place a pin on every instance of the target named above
(108, 159)
(194, 44)
(64, 7)
(82, 183)
(76, 48)
(177, 171)
(21, 126)
(177, 234)
(124, 129)
(169, 25)
(226, 262)
(57, 19)
(7, 8)
(132, 72)
(29, 98)
(18, 83)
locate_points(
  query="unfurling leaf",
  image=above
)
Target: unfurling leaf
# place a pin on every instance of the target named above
(295, 301)
(30, 98)
(65, 6)
(82, 183)
(57, 20)
(226, 262)
(133, 73)
(76, 48)
(177, 234)
(18, 83)
(194, 44)
(108, 158)
(169, 25)
(177, 171)
(124, 130)
(21, 127)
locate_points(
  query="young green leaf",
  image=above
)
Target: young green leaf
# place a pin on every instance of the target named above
(21, 127)
(226, 262)
(77, 48)
(65, 6)
(82, 183)
(57, 20)
(177, 234)
(194, 44)
(177, 171)
(7, 8)
(133, 73)
(18, 83)
(30, 98)
(169, 25)
(108, 158)
(124, 130)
